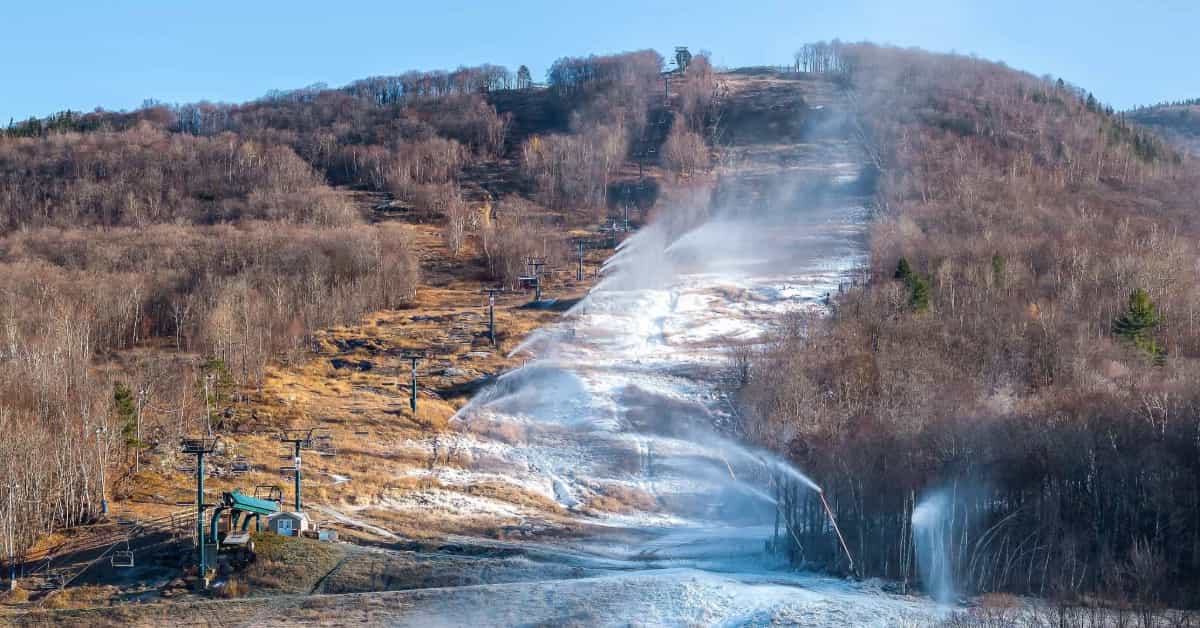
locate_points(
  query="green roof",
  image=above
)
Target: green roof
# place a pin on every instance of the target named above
(247, 503)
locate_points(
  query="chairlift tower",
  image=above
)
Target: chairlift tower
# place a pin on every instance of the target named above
(492, 292)
(579, 271)
(199, 447)
(312, 438)
(413, 357)
(683, 58)
(535, 265)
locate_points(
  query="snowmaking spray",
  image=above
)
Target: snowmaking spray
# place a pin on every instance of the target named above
(929, 529)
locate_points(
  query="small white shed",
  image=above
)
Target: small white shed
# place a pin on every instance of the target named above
(288, 523)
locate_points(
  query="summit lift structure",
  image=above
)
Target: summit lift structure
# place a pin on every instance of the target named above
(242, 510)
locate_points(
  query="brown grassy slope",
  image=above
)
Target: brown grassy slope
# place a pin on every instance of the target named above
(355, 384)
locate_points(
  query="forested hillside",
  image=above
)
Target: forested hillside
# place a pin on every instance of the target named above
(155, 262)
(1021, 355)
(1179, 122)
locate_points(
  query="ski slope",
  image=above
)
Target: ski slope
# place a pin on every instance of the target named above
(624, 398)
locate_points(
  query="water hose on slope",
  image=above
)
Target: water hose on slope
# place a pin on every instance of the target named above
(836, 529)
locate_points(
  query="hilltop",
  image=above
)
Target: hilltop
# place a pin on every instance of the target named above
(1177, 122)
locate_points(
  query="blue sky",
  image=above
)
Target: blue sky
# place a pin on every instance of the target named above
(114, 54)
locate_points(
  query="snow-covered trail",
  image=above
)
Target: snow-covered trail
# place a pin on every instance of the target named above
(617, 419)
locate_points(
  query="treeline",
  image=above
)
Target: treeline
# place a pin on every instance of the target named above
(821, 58)
(1024, 344)
(414, 85)
(410, 135)
(1178, 122)
(621, 108)
(148, 176)
(1191, 102)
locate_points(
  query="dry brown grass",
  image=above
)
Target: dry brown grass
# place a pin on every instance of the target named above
(616, 497)
(365, 407)
(506, 432)
(513, 494)
(14, 596)
(232, 588)
(80, 597)
(288, 564)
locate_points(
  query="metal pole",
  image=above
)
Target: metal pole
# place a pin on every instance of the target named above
(12, 558)
(137, 450)
(200, 512)
(492, 317)
(103, 479)
(207, 407)
(296, 459)
(579, 273)
(413, 399)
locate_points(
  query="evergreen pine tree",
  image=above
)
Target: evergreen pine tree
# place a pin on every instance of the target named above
(918, 287)
(1137, 324)
(126, 414)
(919, 293)
(998, 265)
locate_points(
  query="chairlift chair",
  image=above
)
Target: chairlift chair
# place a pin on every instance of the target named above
(240, 466)
(269, 492)
(122, 558)
(323, 444)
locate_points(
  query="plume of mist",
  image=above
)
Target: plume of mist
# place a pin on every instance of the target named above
(931, 528)
(943, 519)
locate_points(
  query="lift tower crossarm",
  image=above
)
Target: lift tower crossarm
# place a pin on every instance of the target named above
(313, 438)
(535, 265)
(492, 292)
